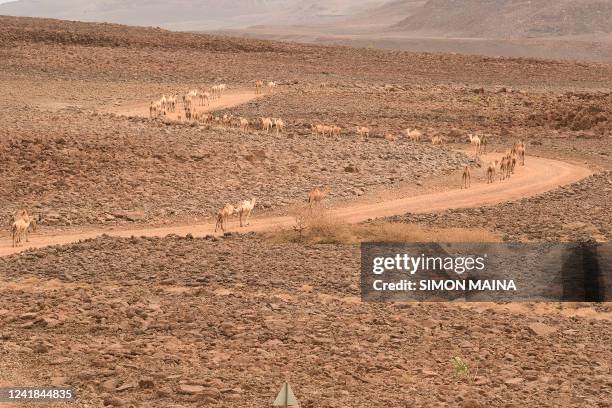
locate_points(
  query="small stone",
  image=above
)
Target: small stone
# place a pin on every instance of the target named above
(514, 381)
(541, 329)
(40, 348)
(114, 402)
(109, 385)
(190, 389)
(59, 381)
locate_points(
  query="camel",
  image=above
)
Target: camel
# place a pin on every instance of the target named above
(491, 170)
(217, 91)
(214, 91)
(336, 130)
(171, 103)
(192, 94)
(271, 86)
(316, 196)
(520, 151)
(21, 226)
(483, 143)
(318, 129)
(475, 140)
(413, 135)
(258, 86)
(227, 119)
(205, 98)
(156, 109)
(266, 124)
(244, 210)
(503, 168)
(223, 216)
(513, 159)
(188, 101)
(436, 140)
(466, 178)
(221, 88)
(363, 131)
(279, 124)
(328, 130)
(244, 124)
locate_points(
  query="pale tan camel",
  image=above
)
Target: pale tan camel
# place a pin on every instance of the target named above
(279, 125)
(244, 210)
(491, 170)
(317, 129)
(475, 140)
(520, 151)
(503, 167)
(363, 131)
(244, 124)
(223, 216)
(316, 196)
(336, 130)
(258, 86)
(466, 178)
(266, 124)
(413, 135)
(484, 141)
(20, 228)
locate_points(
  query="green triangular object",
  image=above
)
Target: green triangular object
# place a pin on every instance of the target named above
(285, 397)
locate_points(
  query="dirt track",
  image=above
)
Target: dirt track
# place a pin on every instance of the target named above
(537, 176)
(228, 100)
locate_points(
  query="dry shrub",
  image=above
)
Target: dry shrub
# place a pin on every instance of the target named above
(321, 227)
(316, 226)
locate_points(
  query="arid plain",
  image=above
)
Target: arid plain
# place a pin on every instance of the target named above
(162, 312)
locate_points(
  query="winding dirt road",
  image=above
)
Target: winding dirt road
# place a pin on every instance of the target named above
(229, 99)
(538, 176)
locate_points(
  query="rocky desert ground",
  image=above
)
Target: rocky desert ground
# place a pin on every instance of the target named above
(161, 312)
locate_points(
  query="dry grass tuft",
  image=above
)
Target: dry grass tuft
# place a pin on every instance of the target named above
(318, 227)
(321, 227)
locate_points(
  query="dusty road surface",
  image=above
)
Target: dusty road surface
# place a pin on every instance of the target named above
(229, 99)
(537, 176)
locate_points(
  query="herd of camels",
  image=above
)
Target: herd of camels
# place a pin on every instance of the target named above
(23, 221)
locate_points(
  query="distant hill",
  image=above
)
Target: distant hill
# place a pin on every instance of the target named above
(384, 15)
(191, 14)
(572, 29)
(431, 18)
(509, 18)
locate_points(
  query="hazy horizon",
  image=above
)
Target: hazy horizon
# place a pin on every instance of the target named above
(570, 29)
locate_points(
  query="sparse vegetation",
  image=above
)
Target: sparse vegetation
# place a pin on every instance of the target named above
(461, 370)
(323, 227)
